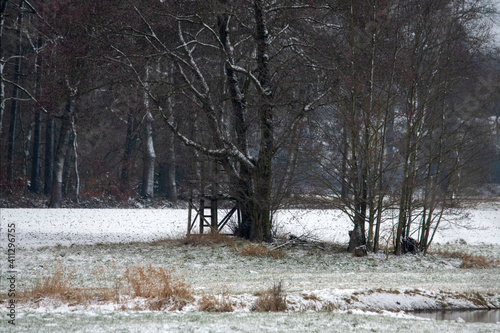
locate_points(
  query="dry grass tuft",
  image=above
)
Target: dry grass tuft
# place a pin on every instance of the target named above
(58, 286)
(477, 261)
(273, 300)
(212, 303)
(276, 253)
(477, 299)
(259, 250)
(451, 254)
(159, 287)
(253, 250)
(470, 260)
(155, 284)
(210, 239)
(310, 297)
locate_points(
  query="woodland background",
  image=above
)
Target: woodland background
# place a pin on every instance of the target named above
(359, 105)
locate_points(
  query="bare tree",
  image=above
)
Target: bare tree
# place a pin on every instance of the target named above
(238, 110)
(396, 72)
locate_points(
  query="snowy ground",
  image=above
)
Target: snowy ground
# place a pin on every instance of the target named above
(326, 290)
(48, 227)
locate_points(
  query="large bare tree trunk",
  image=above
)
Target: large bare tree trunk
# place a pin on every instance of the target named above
(261, 223)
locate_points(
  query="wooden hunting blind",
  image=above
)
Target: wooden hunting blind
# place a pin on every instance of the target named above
(206, 214)
(204, 209)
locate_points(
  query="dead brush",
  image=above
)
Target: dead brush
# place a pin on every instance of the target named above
(259, 250)
(58, 286)
(272, 300)
(159, 287)
(210, 239)
(470, 260)
(477, 261)
(213, 303)
(108, 286)
(451, 254)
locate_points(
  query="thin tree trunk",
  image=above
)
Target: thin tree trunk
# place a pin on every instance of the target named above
(67, 167)
(148, 158)
(15, 97)
(64, 138)
(26, 139)
(75, 155)
(3, 9)
(169, 166)
(35, 159)
(130, 140)
(345, 150)
(384, 158)
(49, 154)
(170, 187)
(12, 135)
(35, 186)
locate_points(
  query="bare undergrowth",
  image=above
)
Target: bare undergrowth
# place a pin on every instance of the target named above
(272, 300)
(216, 303)
(154, 287)
(259, 250)
(478, 261)
(58, 286)
(210, 239)
(470, 260)
(243, 248)
(158, 286)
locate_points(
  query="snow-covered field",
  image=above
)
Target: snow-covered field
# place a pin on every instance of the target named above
(326, 290)
(48, 227)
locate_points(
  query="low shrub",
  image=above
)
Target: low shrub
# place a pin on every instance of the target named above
(272, 300)
(212, 303)
(159, 287)
(477, 261)
(470, 260)
(59, 286)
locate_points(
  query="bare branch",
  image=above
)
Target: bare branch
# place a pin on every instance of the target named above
(222, 153)
(21, 88)
(252, 77)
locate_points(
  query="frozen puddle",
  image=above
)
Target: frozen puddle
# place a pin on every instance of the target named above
(469, 316)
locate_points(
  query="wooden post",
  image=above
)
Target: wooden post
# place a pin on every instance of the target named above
(190, 207)
(213, 210)
(202, 196)
(213, 200)
(202, 214)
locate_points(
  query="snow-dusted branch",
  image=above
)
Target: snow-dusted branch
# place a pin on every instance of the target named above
(230, 151)
(31, 97)
(252, 77)
(193, 63)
